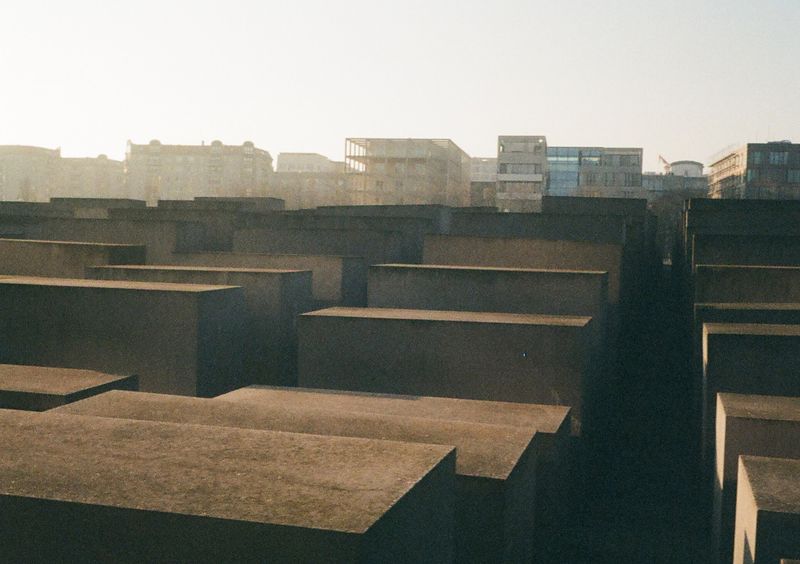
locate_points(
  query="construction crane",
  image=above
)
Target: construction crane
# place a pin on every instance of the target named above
(667, 166)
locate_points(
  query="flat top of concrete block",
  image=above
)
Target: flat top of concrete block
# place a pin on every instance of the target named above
(484, 450)
(775, 483)
(456, 316)
(488, 268)
(169, 267)
(330, 483)
(70, 243)
(745, 267)
(53, 381)
(747, 406)
(760, 329)
(788, 306)
(112, 284)
(542, 418)
(254, 254)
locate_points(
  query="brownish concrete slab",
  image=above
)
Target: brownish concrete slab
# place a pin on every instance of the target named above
(89, 488)
(25, 257)
(471, 355)
(746, 283)
(178, 338)
(495, 465)
(337, 280)
(746, 358)
(767, 510)
(550, 422)
(273, 299)
(748, 425)
(38, 388)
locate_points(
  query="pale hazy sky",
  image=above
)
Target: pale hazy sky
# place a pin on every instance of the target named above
(681, 78)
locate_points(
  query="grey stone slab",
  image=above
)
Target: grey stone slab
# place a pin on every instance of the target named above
(273, 299)
(550, 422)
(374, 246)
(767, 510)
(746, 283)
(78, 488)
(746, 358)
(25, 257)
(336, 280)
(38, 388)
(750, 249)
(162, 238)
(183, 339)
(472, 355)
(748, 425)
(495, 465)
(528, 253)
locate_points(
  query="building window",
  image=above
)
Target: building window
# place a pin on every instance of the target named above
(752, 174)
(778, 157)
(757, 158)
(794, 176)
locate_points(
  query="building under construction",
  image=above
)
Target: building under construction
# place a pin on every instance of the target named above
(407, 171)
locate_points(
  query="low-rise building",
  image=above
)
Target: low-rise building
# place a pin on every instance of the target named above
(757, 170)
(407, 171)
(174, 172)
(29, 174)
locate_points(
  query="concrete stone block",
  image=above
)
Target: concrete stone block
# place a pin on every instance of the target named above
(488, 356)
(744, 283)
(757, 250)
(375, 247)
(162, 238)
(746, 359)
(495, 465)
(528, 253)
(273, 300)
(748, 425)
(550, 422)
(63, 259)
(181, 339)
(336, 280)
(77, 488)
(39, 388)
(767, 510)
(605, 206)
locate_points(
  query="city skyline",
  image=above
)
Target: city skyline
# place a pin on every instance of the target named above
(678, 80)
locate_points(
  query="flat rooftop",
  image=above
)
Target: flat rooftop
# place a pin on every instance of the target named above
(490, 268)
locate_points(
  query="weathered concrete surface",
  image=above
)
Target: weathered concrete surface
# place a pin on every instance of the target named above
(594, 228)
(495, 465)
(412, 230)
(336, 280)
(162, 238)
(489, 356)
(374, 246)
(38, 388)
(550, 422)
(528, 253)
(62, 258)
(440, 215)
(743, 283)
(273, 299)
(489, 289)
(219, 224)
(635, 207)
(746, 359)
(492, 289)
(759, 250)
(748, 425)
(76, 488)
(767, 510)
(181, 339)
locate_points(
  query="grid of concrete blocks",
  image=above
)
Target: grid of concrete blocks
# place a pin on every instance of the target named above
(740, 273)
(222, 380)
